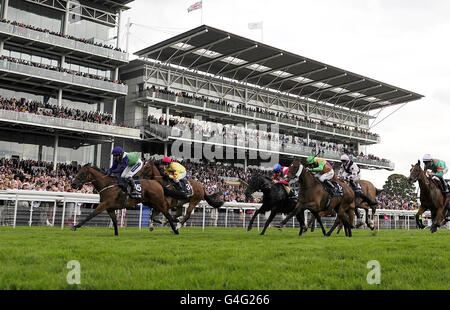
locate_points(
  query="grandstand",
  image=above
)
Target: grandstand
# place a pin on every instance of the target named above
(209, 82)
(59, 80)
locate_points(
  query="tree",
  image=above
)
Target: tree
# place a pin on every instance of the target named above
(397, 185)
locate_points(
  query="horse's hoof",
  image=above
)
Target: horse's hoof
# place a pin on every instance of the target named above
(278, 226)
(151, 228)
(73, 228)
(178, 226)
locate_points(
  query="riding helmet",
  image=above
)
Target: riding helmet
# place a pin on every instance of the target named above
(276, 168)
(167, 160)
(117, 151)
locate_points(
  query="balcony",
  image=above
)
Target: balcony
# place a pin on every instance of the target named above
(250, 115)
(56, 43)
(166, 133)
(42, 77)
(68, 124)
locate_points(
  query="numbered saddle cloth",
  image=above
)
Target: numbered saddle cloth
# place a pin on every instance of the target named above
(137, 186)
(186, 187)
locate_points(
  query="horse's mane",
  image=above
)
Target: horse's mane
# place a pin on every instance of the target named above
(95, 168)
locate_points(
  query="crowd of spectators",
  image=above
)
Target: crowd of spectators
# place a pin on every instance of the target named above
(265, 111)
(59, 69)
(210, 129)
(38, 176)
(396, 203)
(53, 110)
(59, 34)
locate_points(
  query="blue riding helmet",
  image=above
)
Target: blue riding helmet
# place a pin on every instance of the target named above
(276, 168)
(117, 151)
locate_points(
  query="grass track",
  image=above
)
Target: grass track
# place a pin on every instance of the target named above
(222, 259)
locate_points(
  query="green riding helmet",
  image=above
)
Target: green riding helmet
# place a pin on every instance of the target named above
(310, 160)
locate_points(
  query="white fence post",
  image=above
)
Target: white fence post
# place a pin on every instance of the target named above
(15, 211)
(31, 214)
(226, 217)
(54, 213)
(140, 216)
(203, 222)
(258, 220)
(243, 218)
(63, 213)
(121, 217)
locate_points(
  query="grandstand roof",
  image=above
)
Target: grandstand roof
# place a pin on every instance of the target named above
(114, 4)
(223, 54)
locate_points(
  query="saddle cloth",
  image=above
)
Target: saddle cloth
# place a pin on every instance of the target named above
(186, 187)
(138, 187)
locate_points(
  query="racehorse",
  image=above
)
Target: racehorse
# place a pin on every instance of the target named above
(431, 198)
(275, 198)
(113, 198)
(316, 199)
(371, 192)
(151, 171)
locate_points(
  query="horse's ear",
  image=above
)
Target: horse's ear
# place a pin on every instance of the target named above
(418, 162)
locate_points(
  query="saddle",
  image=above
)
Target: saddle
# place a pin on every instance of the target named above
(337, 191)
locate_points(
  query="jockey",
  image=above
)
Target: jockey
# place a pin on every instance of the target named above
(177, 173)
(126, 166)
(350, 172)
(323, 171)
(280, 175)
(438, 169)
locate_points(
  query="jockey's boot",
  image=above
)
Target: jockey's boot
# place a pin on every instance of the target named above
(133, 192)
(444, 188)
(331, 187)
(181, 191)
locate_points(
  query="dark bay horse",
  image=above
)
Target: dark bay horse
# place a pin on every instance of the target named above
(151, 171)
(315, 198)
(113, 198)
(431, 198)
(275, 198)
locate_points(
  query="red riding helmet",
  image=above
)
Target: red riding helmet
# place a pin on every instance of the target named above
(167, 160)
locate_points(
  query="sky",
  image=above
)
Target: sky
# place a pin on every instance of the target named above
(404, 43)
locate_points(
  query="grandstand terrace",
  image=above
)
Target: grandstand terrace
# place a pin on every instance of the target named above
(59, 80)
(216, 77)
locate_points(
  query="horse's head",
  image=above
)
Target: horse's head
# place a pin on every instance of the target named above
(295, 169)
(415, 172)
(256, 183)
(148, 171)
(83, 176)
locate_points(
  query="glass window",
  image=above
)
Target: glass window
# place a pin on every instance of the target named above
(35, 15)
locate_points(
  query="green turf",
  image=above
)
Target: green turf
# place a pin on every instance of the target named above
(222, 259)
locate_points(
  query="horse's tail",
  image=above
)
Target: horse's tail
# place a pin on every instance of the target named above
(212, 199)
(378, 191)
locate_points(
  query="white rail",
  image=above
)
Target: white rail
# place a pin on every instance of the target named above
(396, 218)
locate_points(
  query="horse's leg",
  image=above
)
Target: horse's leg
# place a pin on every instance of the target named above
(312, 223)
(250, 224)
(102, 206)
(192, 205)
(301, 221)
(319, 220)
(339, 228)
(419, 221)
(335, 224)
(438, 217)
(289, 216)
(112, 215)
(273, 212)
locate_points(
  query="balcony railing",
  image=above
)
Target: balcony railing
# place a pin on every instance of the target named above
(62, 77)
(68, 124)
(54, 40)
(264, 145)
(254, 115)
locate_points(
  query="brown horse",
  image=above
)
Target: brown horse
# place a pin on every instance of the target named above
(113, 198)
(315, 198)
(431, 197)
(151, 171)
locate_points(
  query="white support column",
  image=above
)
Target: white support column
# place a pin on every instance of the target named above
(165, 148)
(60, 91)
(55, 151)
(167, 116)
(119, 20)
(66, 18)
(2, 44)
(5, 9)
